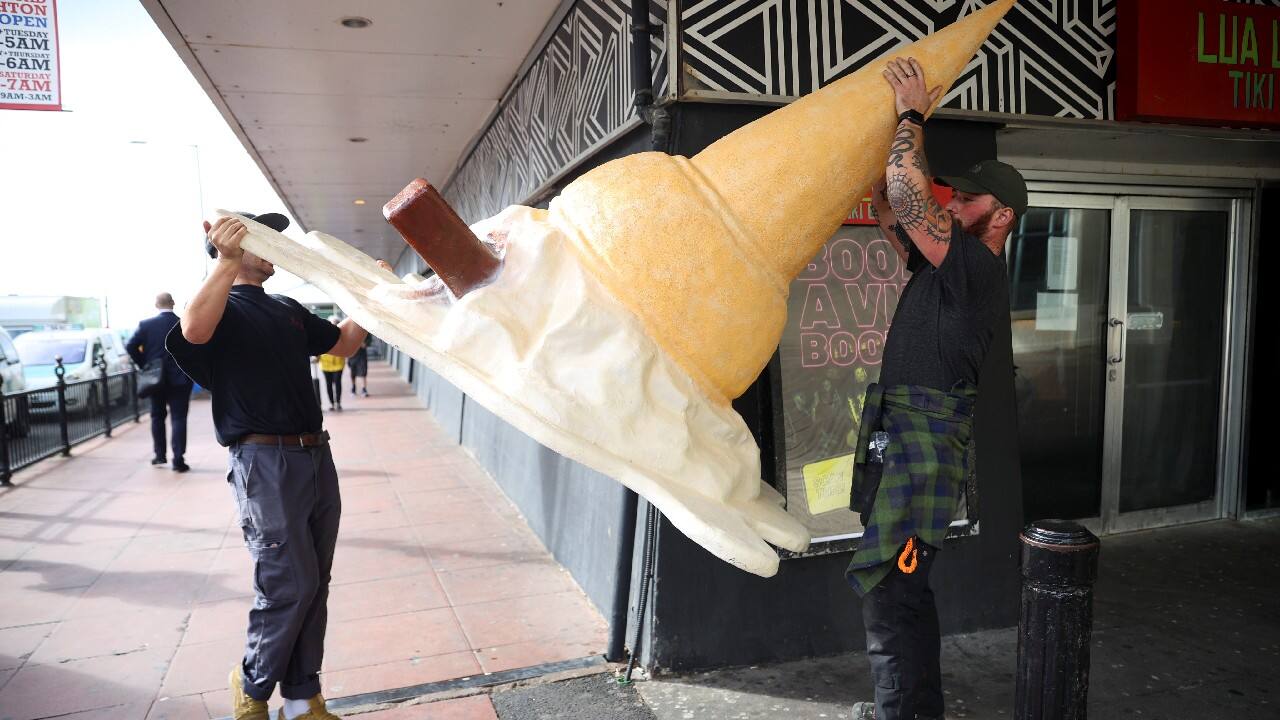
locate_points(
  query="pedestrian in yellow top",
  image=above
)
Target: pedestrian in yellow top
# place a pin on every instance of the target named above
(331, 366)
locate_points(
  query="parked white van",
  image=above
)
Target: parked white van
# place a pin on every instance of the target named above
(11, 378)
(17, 411)
(79, 349)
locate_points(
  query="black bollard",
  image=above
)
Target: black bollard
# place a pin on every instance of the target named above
(1059, 565)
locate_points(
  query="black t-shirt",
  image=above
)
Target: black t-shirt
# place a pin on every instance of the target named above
(946, 315)
(258, 364)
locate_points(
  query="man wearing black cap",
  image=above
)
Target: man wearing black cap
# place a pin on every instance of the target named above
(920, 412)
(252, 350)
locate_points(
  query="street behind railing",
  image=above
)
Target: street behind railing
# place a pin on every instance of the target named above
(37, 424)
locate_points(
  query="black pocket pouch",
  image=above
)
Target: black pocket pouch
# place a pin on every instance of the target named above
(866, 483)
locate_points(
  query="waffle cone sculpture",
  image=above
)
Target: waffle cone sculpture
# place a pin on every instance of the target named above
(616, 327)
(704, 250)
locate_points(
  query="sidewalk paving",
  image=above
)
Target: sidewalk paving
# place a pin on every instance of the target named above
(1186, 625)
(126, 587)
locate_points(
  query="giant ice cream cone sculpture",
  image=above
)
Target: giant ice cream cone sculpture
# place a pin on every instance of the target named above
(703, 250)
(616, 327)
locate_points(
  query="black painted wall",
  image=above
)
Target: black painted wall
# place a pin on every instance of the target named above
(445, 401)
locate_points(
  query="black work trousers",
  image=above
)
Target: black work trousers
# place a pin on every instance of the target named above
(170, 401)
(903, 642)
(333, 386)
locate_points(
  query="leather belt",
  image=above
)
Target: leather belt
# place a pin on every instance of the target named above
(303, 440)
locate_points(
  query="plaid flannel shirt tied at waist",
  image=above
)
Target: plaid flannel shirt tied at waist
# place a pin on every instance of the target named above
(924, 470)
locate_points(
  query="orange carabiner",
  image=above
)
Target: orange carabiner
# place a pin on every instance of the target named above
(908, 550)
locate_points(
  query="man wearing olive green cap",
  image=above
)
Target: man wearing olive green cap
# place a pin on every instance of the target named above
(919, 416)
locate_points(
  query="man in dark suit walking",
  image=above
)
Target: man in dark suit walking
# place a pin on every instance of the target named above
(174, 391)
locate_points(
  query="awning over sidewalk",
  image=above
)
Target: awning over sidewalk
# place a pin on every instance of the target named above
(339, 102)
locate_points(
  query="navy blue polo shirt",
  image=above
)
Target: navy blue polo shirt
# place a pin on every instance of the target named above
(258, 364)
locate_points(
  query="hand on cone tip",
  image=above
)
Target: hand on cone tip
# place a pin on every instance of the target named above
(906, 77)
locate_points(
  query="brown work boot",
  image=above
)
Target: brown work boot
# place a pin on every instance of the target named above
(244, 707)
(317, 711)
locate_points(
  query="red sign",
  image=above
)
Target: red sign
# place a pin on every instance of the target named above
(861, 213)
(1203, 62)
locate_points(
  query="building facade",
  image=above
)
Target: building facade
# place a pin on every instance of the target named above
(1122, 395)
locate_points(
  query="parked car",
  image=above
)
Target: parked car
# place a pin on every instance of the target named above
(17, 411)
(79, 349)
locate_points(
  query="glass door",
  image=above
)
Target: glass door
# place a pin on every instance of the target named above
(1059, 266)
(1165, 369)
(1120, 322)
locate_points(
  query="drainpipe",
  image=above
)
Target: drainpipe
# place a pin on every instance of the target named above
(641, 70)
(660, 121)
(642, 77)
(616, 652)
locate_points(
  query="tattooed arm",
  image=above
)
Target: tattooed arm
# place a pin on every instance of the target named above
(885, 216)
(908, 185)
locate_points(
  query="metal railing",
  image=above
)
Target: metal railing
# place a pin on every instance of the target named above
(37, 424)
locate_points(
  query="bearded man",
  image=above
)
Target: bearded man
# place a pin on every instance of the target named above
(920, 413)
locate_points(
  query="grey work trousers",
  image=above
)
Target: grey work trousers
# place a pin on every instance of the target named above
(289, 508)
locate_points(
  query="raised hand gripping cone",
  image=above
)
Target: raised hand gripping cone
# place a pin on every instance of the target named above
(616, 327)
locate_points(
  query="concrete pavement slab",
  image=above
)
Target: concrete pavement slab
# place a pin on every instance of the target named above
(588, 698)
(126, 587)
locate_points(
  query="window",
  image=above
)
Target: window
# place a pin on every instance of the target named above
(7, 350)
(838, 315)
(38, 350)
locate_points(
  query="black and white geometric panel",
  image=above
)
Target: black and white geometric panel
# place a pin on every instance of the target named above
(1048, 57)
(575, 95)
